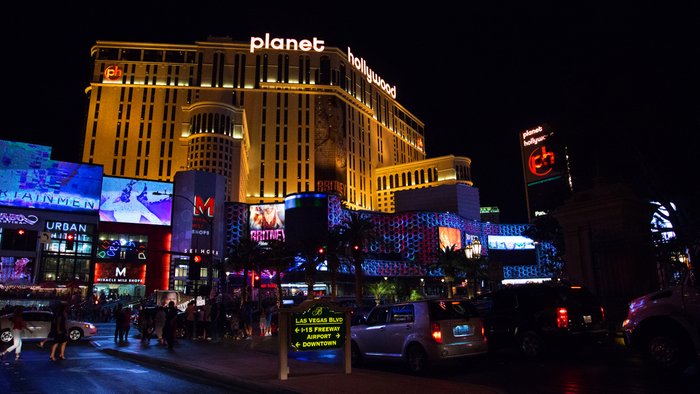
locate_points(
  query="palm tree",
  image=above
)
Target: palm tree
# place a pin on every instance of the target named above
(452, 262)
(245, 257)
(358, 232)
(278, 257)
(380, 289)
(336, 246)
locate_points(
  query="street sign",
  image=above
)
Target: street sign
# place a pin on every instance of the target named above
(318, 328)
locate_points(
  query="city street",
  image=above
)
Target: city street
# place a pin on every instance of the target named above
(92, 368)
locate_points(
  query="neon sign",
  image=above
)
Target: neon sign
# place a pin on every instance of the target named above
(361, 65)
(113, 73)
(540, 162)
(289, 44)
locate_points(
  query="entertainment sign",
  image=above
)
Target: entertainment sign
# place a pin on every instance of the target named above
(318, 328)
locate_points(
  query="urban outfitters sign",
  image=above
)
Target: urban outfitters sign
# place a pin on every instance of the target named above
(318, 328)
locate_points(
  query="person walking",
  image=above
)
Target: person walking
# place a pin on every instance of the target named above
(170, 324)
(159, 324)
(118, 318)
(126, 323)
(248, 312)
(60, 337)
(190, 320)
(18, 327)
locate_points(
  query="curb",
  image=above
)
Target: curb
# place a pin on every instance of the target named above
(200, 374)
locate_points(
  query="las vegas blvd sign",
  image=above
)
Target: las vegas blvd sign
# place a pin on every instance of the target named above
(318, 328)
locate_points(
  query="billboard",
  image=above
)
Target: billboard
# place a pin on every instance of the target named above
(542, 157)
(450, 237)
(16, 270)
(510, 242)
(126, 200)
(29, 179)
(267, 221)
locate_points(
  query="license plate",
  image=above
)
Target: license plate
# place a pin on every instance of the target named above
(587, 319)
(462, 330)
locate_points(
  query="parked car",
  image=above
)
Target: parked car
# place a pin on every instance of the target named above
(420, 333)
(665, 324)
(39, 322)
(539, 317)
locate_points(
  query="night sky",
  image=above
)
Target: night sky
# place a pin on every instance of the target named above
(619, 84)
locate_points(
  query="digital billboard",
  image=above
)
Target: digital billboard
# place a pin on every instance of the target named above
(510, 242)
(450, 237)
(267, 222)
(16, 270)
(126, 200)
(542, 156)
(29, 179)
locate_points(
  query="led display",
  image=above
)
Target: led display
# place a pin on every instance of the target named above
(123, 273)
(267, 217)
(15, 270)
(126, 200)
(510, 242)
(29, 179)
(450, 237)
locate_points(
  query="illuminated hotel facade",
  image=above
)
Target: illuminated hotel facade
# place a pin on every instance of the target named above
(274, 116)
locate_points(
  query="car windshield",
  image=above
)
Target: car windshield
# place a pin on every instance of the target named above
(446, 310)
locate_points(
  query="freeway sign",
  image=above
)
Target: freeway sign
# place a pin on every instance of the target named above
(318, 327)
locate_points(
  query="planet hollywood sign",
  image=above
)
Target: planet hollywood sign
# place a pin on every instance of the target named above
(317, 45)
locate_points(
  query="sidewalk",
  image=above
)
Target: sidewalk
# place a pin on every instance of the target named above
(254, 365)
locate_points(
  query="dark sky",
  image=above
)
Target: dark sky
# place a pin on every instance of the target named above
(619, 83)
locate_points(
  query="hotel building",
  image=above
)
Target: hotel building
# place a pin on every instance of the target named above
(273, 116)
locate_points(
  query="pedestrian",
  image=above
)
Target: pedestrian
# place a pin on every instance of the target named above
(206, 321)
(60, 333)
(159, 323)
(118, 318)
(126, 323)
(262, 320)
(190, 318)
(268, 319)
(18, 327)
(248, 319)
(170, 324)
(145, 325)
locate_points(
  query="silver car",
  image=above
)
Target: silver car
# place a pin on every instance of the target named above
(420, 333)
(39, 322)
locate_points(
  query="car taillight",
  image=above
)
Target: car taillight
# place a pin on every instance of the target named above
(602, 313)
(562, 318)
(436, 333)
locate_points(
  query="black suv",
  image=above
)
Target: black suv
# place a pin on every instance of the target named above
(538, 317)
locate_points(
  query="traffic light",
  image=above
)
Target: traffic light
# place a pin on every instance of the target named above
(197, 259)
(70, 241)
(194, 268)
(322, 250)
(257, 281)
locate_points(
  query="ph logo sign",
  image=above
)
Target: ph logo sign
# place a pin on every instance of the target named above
(113, 73)
(541, 161)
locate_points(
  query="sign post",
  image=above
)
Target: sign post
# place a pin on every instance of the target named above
(314, 325)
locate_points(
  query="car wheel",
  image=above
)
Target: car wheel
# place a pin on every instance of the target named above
(416, 358)
(531, 345)
(74, 334)
(6, 336)
(355, 355)
(667, 352)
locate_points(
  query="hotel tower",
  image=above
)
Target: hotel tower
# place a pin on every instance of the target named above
(274, 116)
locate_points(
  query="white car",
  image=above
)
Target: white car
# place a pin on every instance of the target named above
(39, 322)
(419, 333)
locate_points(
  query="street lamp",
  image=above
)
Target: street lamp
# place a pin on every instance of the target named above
(210, 223)
(473, 249)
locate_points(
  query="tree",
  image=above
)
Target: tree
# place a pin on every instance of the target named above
(380, 289)
(245, 257)
(452, 262)
(548, 234)
(279, 258)
(358, 231)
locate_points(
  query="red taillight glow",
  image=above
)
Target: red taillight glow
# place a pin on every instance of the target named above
(602, 313)
(562, 318)
(436, 333)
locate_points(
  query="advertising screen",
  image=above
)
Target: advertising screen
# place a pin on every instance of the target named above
(542, 156)
(450, 237)
(126, 200)
(29, 179)
(267, 222)
(510, 242)
(16, 270)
